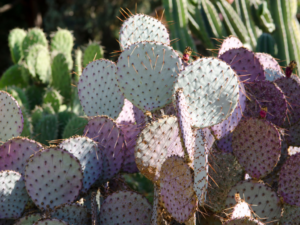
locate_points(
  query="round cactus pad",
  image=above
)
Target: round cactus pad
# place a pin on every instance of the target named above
(288, 184)
(110, 139)
(257, 145)
(272, 74)
(51, 222)
(141, 27)
(11, 122)
(245, 63)
(176, 179)
(263, 201)
(271, 97)
(159, 140)
(98, 90)
(29, 219)
(74, 214)
(229, 43)
(146, 73)
(125, 207)
(87, 152)
(291, 89)
(211, 90)
(267, 61)
(53, 177)
(13, 195)
(62, 40)
(15, 152)
(200, 165)
(227, 126)
(185, 124)
(243, 221)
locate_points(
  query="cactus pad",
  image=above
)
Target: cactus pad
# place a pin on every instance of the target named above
(13, 195)
(291, 89)
(62, 41)
(50, 222)
(53, 177)
(130, 114)
(53, 97)
(11, 122)
(229, 43)
(176, 179)
(288, 184)
(110, 141)
(141, 27)
(225, 143)
(87, 152)
(245, 63)
(13, 76)
(47, 129)
(291, 215)
(15, 152)
(98, 90)
(272, 74)
(240, 210)
(243, 221)
(211, 89)
(29, 219)
(267, 61)
(15, 39)
(125, 207)
(159, 140)
(264, 202)
(92, 52)
(75, 126)
(257, 145)
(271, 97)
(74, 214)
(146, 72)
(34, 36)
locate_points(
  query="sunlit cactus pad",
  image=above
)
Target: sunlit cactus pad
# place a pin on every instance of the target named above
(125, 207)
(211, 90)
(130, 114)
(240, 210)
(288, 184)
(229, 43)
(264, 202)
(141, 27)
(146, 72)
(110, 139)
(87, 152)
(272, 74)
(178, 195)
(267, 61)
(51, 222)
(29, 219)
(257, 145)
(98, 90)
(74, 214)
(13, 195)
(155, 143)
(53, 177)
(11, 118)
(15, 152)
(245, 63)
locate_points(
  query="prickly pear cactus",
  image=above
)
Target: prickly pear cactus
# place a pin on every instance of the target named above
(272, 74)
(33, 36)
(98, 89)
(13, 76)
(15, 39)
(50, 222)
(62, 40)
(53, 177)
(146, 72)
(13, 194)
(75, 126)
(29, 219)
(137, 209)
(267, 61)
(53, 97)
(92, 52)
(229, 43)
(141, 27)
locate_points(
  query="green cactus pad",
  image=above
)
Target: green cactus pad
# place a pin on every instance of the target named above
(53, 177)
(176, 179)
(146, 72)
(38, 62)
(11, 122)
(34, 36)
(264, 202)
(224, 172)
(20, 96)
(75, 126)
(63, 119)
(15, 39)
(78, 64)
(34, 95)
(74, 214)
(27, 127)
(62, 41)
(87, 152)
(98, 89)
(29, 219)
(13, 195)
(159, 140)
(53, 97)
(46, 129)
(256, 137)
(125, 207)
(92, 52)
(13, 76)
(229, 43)
(141, 27)
(61, 78)
(211, 89)
(51, 222)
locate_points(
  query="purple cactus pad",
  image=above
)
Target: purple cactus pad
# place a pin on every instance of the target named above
(230, 43)
(267, 61)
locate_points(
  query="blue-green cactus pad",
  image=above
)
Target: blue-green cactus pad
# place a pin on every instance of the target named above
(29, 219)
(51, 222)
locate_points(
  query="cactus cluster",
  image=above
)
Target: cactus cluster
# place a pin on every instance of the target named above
(213, 134)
